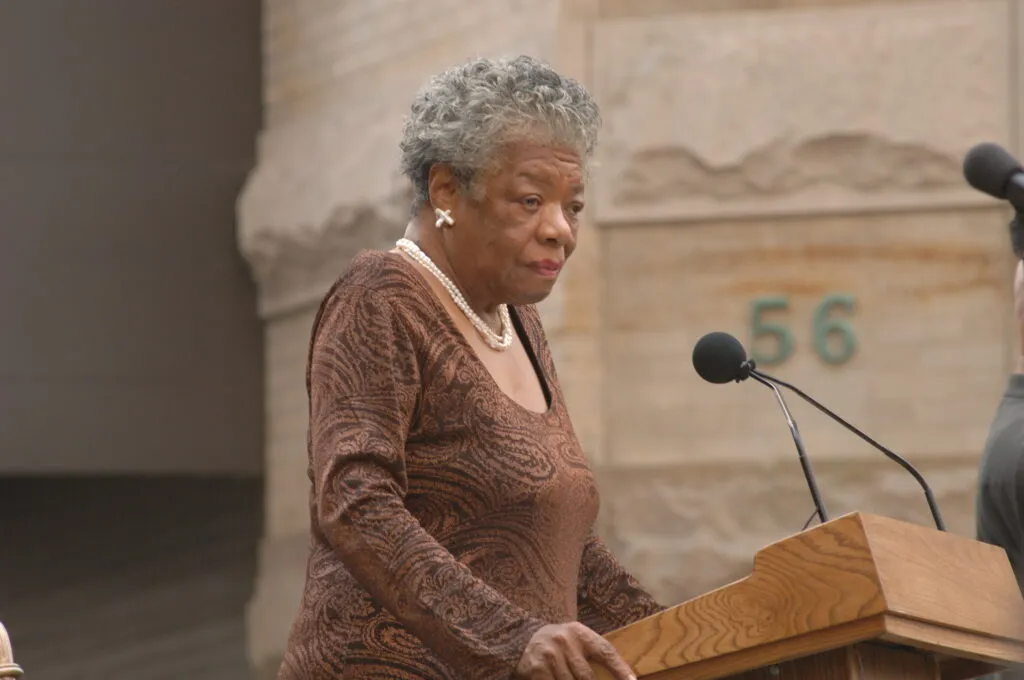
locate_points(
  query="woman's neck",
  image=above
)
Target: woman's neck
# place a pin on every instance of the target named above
(430, 242)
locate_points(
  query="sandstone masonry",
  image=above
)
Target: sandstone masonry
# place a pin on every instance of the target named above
(754, 149)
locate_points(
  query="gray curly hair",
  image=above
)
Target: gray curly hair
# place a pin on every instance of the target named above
(463, 117)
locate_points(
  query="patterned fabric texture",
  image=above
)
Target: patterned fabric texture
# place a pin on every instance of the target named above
(449, 522)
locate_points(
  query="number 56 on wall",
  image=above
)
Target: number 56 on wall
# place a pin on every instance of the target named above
(832, 336)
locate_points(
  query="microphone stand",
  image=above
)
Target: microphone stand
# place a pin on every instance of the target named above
(766, 379)
(805, 464)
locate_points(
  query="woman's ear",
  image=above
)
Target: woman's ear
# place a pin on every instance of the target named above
(442, 187)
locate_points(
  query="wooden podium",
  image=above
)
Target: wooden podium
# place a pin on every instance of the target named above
(860, 597)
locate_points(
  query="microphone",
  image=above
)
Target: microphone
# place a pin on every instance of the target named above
(993, 170)
(720, 358)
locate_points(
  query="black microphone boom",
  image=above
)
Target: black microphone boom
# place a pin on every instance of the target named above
(891, 455)
(720, 358)
(717, 355)
(801, 453)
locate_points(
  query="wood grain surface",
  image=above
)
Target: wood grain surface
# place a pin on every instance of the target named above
(944, 599)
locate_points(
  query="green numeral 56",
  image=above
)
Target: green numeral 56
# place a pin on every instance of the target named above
(772, 342)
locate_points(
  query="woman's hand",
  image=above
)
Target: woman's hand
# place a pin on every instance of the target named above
(562, 652)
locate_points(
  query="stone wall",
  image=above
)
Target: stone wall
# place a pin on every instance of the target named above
(772, 150)
(794, 155)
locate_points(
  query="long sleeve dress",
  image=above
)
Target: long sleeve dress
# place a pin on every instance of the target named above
(449, 522)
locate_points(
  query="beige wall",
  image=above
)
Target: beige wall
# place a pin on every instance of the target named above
(753, 148)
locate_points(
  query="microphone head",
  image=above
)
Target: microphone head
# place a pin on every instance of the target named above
(720, 358)
(988, 168)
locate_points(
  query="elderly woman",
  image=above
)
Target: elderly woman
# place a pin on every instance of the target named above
(452, 508)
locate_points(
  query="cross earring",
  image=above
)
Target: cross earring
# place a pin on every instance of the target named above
(443, 217)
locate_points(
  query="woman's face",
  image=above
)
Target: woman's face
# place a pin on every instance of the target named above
(513, 242)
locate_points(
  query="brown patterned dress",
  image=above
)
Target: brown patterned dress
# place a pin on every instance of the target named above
(449, 523)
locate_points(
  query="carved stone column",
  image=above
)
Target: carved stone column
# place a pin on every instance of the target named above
(338, 80)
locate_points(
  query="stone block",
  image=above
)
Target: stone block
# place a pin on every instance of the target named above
(582, 285)
(278, 593)
(684, 530)
(339, 81)
(1017, 11)
(852, 108)
(572, 319)
(931, 295)
(580, 373)
(614, 9)
(287, 495)
(368, 56)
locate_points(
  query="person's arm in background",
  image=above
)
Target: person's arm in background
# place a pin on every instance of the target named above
(609, 597)
(364, 386)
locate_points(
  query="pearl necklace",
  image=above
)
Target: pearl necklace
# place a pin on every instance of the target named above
(495, 341)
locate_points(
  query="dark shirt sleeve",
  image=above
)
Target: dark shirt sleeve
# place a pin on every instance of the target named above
(364, 388)
(609, 597)
(998, 510)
